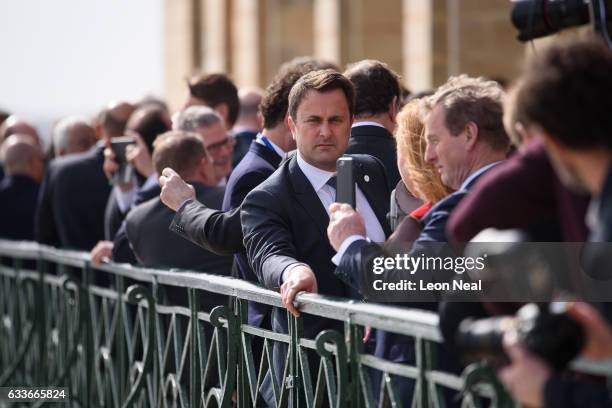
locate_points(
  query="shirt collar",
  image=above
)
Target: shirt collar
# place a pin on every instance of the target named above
(277, 149)
(366, 123)
(317, 177)
(476, 174)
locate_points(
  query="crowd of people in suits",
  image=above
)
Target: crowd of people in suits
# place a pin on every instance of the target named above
(243, 183)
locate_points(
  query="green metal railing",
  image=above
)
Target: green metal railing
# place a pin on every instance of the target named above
(107, 334)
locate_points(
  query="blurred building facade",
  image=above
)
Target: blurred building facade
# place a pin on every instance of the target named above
(425, 41)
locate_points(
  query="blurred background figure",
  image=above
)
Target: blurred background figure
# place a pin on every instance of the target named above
(218, 92)
(249, 122)
(24, 169)
(72, 135)
(73, 196)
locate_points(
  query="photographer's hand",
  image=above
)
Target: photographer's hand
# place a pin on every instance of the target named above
(526, 375)
(174, 190)
(598, 333)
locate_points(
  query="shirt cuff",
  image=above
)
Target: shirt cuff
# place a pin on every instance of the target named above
(345, 244)
(125, 199)
(289, 267)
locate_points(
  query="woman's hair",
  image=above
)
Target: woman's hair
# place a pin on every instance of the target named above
(410, 138)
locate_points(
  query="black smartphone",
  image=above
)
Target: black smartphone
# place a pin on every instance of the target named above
(345, 181)
(119, 146)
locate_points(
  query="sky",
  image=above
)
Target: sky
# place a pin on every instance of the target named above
(71, 57)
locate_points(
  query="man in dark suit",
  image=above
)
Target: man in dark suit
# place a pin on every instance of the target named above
(377, 99)
(221, 231)
(465, 139)
(72, 199)
(147, 224)
(24, 167)
(284, 218)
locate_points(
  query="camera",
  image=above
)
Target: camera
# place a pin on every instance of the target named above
(544, 330)
(539, 18)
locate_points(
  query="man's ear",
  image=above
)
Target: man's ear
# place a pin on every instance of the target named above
(471, 134)
(292, 126)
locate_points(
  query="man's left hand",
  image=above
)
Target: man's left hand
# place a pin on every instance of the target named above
(344, 221)
(526, 375)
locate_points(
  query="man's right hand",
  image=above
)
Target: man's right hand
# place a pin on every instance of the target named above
(174, 190)
(300, 278)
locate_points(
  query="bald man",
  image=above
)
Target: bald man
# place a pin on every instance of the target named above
(72, 135)
(14, 125)
(24, 168)
(249, 122)
(74, 193)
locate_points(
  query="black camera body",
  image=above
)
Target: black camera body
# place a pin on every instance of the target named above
(544, 330)
(539, 18)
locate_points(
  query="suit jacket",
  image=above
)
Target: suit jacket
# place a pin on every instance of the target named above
(397, 348)
(157, 247)
(284, 222)
(378, 142)
(221, 231)
(243, 145)
(72, 200)
(521, 193)
(18, 195)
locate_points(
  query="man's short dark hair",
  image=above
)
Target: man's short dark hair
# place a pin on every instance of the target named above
(181, 151)
(567, 91)
(149, 122)
(275, 101)
(215, 89)
(375, 87)
(325, 80)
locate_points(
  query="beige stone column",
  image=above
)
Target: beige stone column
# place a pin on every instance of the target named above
(417, 44)
(179, 49)
(327, 30)
(215, 20)
(246, 42)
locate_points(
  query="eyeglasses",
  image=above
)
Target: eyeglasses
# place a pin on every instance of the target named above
(216, 147)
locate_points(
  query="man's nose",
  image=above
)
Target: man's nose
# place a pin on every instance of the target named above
(430, 154)
(325, 129)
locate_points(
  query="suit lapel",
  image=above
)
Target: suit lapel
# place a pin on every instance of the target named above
(307, 197)
(367, 182)
(268, 155)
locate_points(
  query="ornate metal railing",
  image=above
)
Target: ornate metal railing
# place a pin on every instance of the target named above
(110, 335)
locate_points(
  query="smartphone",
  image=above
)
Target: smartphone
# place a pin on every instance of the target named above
(345, 181)
(126, 172)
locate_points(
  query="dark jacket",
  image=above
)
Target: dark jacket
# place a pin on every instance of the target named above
(523, 192)
(155, 246)
(18, 195)
(378, 142)
(221, 231)
(72, 200)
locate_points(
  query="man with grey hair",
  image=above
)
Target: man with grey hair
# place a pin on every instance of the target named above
(210, 126)
(72, 135)
(465, 139)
